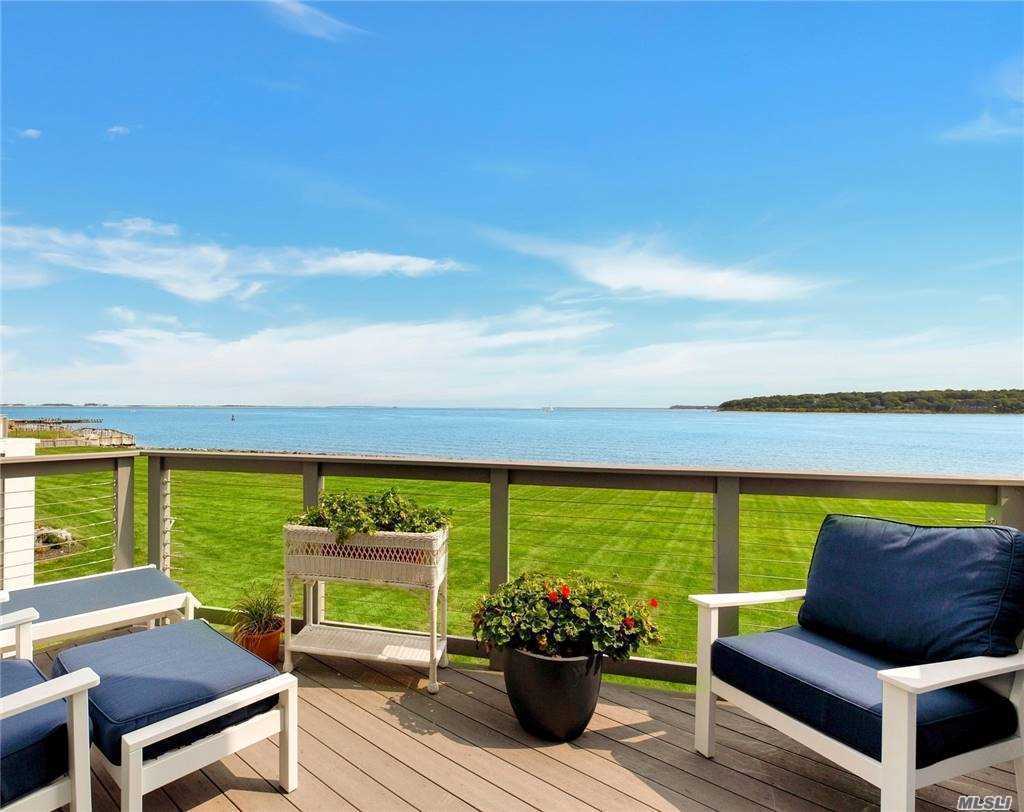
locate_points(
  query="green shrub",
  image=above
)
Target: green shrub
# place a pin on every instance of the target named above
(563, 617)
(258, 611)
(347, 514)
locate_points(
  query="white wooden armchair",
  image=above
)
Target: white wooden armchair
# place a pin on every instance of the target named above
(900, 727)
(45, 746)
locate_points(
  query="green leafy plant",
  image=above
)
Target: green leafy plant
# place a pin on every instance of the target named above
(258, 611)
(343, 513)
(347, 514)
(564, 617)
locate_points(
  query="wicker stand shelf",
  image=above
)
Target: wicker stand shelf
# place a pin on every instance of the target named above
(417, 561)
(364, 644)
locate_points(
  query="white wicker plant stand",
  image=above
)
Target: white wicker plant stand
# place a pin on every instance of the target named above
(417, 561)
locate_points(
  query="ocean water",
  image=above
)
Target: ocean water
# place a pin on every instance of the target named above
(905, 443)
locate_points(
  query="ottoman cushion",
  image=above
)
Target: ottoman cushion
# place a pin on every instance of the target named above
(33, 744)
(159, 673)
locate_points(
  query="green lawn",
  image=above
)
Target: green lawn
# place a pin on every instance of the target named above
(227, 532)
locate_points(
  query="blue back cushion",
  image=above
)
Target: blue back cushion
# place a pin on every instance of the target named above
(917, 594)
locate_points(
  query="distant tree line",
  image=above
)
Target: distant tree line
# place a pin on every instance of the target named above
(950, 401)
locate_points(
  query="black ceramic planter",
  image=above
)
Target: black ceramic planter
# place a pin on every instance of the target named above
(553, 697)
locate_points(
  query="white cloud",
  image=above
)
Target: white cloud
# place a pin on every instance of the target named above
(370, 263)
(30, 134)
(118, 131)
(1008, 79)
(18, 276)
(525, 358)
(761, 328)
(631, 266)
(305, 19)
(10, 330)
(200, 271)
(128, 316)
(987, 127)
(130, 226)
(1004, 120)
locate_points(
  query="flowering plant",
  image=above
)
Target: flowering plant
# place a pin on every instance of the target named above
(563, 617)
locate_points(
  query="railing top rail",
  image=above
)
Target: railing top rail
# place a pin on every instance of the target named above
(227, 457)
(54, 459)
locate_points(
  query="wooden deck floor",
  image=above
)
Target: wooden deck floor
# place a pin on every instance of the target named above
(372, 738)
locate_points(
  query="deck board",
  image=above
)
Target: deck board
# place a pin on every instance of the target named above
(372, 738)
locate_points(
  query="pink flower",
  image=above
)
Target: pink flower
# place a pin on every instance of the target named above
(553, 596)
(565, 591)
(628, 622)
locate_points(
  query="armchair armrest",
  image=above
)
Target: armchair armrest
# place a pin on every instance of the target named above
(12, 619)
(919, 679)
(186, 720)
(725, 600)
(21, 621)
(61, 687)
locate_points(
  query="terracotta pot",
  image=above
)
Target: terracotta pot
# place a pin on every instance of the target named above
(265, 646)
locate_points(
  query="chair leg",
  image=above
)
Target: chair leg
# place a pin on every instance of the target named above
(432, 685)
(288, 742)
(443, 663)
(78, 752)
(704, 714)
(704, 723)
(899, 749)
(897, 796)
(131, 780)
(287, 625)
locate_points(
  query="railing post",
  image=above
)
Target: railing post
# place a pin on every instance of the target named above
(499, 536)
(3, 522)
(312, 594)
(124, 513)
(1009, 507)
(158, 487)
(727, 548)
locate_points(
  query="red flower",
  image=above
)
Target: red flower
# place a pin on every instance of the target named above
(653, 603)
(628, 622)
(553, 596)
(565, 591)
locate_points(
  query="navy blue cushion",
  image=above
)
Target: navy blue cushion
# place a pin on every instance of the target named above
(835, 689)
(151, 675)
(79, 596)
(33, 744)
(917, 594)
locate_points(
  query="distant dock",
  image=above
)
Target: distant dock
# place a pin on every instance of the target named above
(61, 432)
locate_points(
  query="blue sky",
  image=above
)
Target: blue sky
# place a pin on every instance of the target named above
(508, 204)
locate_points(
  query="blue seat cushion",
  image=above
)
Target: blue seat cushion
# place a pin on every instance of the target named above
(33, 744)
(152, 675)
(81, 595)
(916, 594)
(835, 689)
